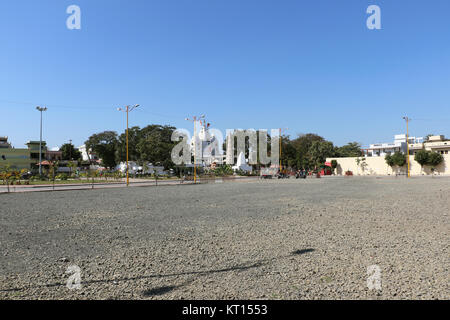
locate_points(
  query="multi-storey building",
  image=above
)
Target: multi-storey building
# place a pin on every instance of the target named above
(433, 143)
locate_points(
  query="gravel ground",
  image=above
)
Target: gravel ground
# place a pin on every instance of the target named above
(279, 239)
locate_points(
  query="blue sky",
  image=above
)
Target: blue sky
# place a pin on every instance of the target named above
(311, 66)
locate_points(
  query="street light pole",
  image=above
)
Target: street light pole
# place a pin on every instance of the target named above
(281, 142)
(40, 109)
(194, 119)
(70, 149)
(127, 110)
(407, 144)
(70, 157)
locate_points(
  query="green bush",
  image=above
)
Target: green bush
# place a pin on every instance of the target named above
(223, 170)
(434, 160)
(62, 176)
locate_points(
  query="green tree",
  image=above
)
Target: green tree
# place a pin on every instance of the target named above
(155, 145)
(334, 165)
(134, 136)
(398, 159)
(288, 153)
(104, 144)
(389, 161)
(351, 149)
(434, 160)
(422, 157)
(69, 152)
(319, 151)
(302, 145)
(73, 166)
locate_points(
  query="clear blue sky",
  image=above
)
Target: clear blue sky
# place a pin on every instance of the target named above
(311, 66)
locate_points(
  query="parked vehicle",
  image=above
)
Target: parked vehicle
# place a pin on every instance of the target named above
(268, 173)
(282, 175)
(301, 174)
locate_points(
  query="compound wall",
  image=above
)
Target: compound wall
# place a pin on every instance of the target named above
(378, 166)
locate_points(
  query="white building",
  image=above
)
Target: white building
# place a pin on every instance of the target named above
(399, 145)
(434, 143)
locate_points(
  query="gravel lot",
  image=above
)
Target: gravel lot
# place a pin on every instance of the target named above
(279, 239)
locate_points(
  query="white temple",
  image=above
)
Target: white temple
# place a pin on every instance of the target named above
(208, 147)
(242, 164)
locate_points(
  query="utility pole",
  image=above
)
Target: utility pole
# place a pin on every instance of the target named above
(70, 156)
(128, 109)
(281, 140)
(40, 109)
(407, 143)
(70, 149)
(194, 120)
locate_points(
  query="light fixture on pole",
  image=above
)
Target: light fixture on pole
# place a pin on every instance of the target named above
(40, 109)
(70, 149)
(128, 109)
(194, 120)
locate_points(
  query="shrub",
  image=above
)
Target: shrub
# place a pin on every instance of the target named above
(434, 160)
(223, 170)
(399, 159)
(62, 176)
(422, 157)
(389, 160)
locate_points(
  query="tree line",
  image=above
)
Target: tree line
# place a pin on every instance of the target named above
(310, 151)
(153, 143)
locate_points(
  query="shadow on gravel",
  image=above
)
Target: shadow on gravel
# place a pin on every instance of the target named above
(150, 292)
(302, 251)
(165, 289)
(159, 291)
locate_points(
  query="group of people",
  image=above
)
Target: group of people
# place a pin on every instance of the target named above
(301, 174)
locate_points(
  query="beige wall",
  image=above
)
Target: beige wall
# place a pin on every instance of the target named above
(378, 166)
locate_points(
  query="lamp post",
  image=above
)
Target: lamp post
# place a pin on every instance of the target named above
(40, 109)
(281, 140)
(70, 157)
(407, 143)
(128, 109)
(194, 120)
(70, 149)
